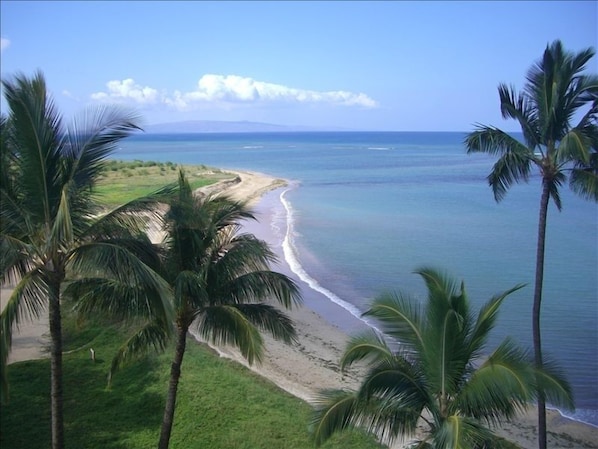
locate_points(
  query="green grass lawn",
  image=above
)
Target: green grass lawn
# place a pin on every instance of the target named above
(221, 404)
(122, 181)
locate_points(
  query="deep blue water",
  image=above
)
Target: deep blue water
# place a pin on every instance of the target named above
(368, 208)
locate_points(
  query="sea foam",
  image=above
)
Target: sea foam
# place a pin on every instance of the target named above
(290, 255)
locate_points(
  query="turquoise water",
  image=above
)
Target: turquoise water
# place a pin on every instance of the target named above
(367, 209)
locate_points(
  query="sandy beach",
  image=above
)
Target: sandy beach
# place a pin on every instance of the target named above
(311, 365)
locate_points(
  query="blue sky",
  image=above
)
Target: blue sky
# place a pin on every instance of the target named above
(404, 66)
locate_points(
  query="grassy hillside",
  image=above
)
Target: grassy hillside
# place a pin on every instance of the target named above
(221, 404)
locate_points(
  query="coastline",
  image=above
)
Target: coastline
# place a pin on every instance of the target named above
(312, 364)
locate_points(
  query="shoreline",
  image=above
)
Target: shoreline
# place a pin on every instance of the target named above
(312, 364)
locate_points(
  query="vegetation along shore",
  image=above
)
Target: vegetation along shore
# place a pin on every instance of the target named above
(300, 370)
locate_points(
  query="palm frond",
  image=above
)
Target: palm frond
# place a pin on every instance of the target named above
(400, 318)
(14, 220)
(448, 322)
(8, 175)
(510, 168)
(519, 107)
(554, 184)
(256, 286)
(389, 421)
(441, 287)
(124, 272)
(460, 432)
(36, 136)
(189, 291)
(226, 212)
(559, 89)
(515, 158)
(335, 410)
(500, 387)
(270, 319)
(553, 382)
(223, 325)
(7, 155)
(584, 182)
(92, 137)
(17, 258)
(28, 300)
(124, 260)
(368, 346)
(62, 235)
(485, 322)
(231, 256)
(153, 335)
(582, 91)
(541, 86)
(588, 120)
(398, 381)
(116, 299)
(493, 141)
(583, 179)
(579, 88)
(574, 147)
(444, 294)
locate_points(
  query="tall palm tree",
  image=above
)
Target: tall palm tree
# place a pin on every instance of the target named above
(436, 370)
(52, 229)
(555, 92)
(220, 278)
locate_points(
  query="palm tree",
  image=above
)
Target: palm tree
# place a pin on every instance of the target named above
(219, 277)
(434, 369)
(555, 92)
(52, 229)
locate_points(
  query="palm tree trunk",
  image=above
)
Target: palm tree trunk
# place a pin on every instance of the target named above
(537, 308)
(56, 393)
(175, 374)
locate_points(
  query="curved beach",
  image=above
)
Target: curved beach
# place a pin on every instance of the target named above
(311, 365)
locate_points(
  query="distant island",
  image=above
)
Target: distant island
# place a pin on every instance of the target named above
(214, 126)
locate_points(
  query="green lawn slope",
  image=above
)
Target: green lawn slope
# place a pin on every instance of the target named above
(221, 403)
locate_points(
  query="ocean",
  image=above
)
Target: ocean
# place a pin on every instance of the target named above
(363, 210)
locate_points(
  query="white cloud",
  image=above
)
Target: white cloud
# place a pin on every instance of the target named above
(4, 44)
(236, 89)
(127, 90)
(69, 94)
(225, 91)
